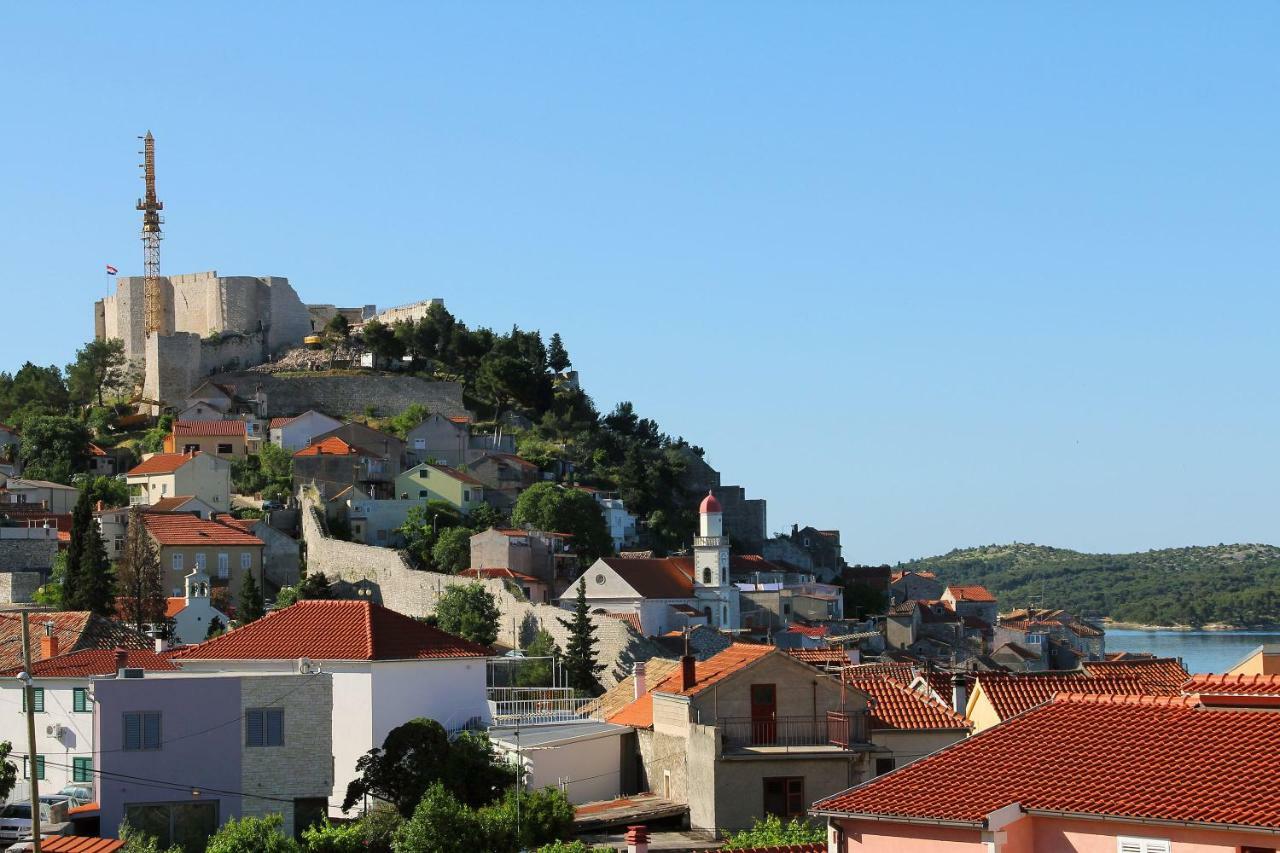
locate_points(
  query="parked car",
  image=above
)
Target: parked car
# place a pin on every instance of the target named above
(15, 818)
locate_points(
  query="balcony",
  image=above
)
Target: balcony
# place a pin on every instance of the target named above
(837, 731)
(530, 706)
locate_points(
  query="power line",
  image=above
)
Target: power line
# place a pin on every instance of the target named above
(159, 783)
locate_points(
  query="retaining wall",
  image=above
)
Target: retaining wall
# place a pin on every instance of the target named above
(345, 395)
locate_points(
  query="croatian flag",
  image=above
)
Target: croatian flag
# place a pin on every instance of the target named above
(111, 270)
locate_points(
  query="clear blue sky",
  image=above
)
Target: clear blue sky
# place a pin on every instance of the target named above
(934, 274)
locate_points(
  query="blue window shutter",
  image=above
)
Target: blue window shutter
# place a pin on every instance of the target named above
(132, 731)
(150, 731)
(253, 728)
(275, 727)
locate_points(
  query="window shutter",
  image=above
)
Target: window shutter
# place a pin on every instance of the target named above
(275, 727)
(132, 731)
(253, 728)
(151, 731)
(1157, 847)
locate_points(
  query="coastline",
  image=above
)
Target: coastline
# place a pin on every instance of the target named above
(1108, 624)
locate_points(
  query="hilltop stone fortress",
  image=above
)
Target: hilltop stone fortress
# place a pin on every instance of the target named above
(214, 324)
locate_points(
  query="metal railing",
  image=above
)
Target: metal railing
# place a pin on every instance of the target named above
(839, 729)
(535, 705)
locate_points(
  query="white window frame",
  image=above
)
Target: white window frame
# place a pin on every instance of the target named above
(200, 561)
(177, 562)
(246, 561)
(224, 564)
(1133, 844)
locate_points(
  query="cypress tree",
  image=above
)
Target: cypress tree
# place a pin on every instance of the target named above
(580, 654)
(72, 580)
(142, 591)
(97, 582)
(251, 604)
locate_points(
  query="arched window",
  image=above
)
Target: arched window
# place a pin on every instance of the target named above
(706, 576)
(706, 611)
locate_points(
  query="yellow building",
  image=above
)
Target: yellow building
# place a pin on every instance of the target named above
(440, 483)
(222, 550)
(224, 439)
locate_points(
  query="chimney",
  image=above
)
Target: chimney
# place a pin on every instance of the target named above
(959, 693)
(162, 645)
(641, 687)
(688, 674)
(48, 645)
(121, 658)
(637, 839)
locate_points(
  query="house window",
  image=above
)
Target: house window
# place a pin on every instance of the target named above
(37, 699)
(1127, 844)
(706, 576)
(466, 495)
(884, 765)
(422, 493)
(118, 543)
(185, 824)
(26, 770)
(200, 562)
(264, 727)
(784, 796)
(82, 770)
(80, 700)
(1257, 850)
(142, 730)
(308, 812)
(246, 561)
(190, 448)
(177, 562)
(224, 565)
(224, 449)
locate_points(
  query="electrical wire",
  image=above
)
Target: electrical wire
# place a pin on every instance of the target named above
(160, 783)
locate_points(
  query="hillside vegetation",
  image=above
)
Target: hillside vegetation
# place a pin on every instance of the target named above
(1235, 585)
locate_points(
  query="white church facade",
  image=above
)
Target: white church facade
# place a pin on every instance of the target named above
(672, 593)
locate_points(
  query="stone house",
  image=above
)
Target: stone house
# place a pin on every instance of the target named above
(224, 439)
(782, 551)
(541, 555)
(202, 476)
(376, 522)
(293, 434)
(222, 550)
(904, 725)
(1036, 629)
(1134, 780)
(535, 590)
(387, 669)
(431, 482)
(505, 476)
(54, 497)
(333, 465)
(383, 444)
(281, 553)
(749, 732)
(822, 548)
(440, 439)
(914, 586)
(108, 462)
(64, 708)
(972, 601)
(745, 519)
(910, 623)
(250, 744)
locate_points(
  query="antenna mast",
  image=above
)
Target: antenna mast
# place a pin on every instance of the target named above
(151, 222)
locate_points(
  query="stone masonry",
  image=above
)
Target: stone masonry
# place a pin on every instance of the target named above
(344, 395)
(415, 593)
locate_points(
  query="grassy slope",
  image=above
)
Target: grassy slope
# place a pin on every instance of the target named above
(1226, 584)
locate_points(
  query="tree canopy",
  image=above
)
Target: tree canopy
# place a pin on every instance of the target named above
(99, 369)
(547, 506)
(468, 611)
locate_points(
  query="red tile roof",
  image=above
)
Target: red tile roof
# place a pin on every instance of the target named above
(76, 630)
(706, 673)
(1159, 676)
(820, 657)
(638, 713)
(181, 528)
(95, 450)
(894, 706)
(1012, 693)
(80, 844)
(172, 504)
(276, 423)
(808, 630)
(95, 662)
(173, 606)
(903, 673)
(455, 474)
(974, 593)
(1125, 757)
(161, 463)
(332, 446)
(1233, 685)
(208, 428)
(499, 572)
(334, 630)
(631, 619)
(670, 577)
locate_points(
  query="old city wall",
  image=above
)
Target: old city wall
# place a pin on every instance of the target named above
(343, 395)
(415, 593)
(19, 587)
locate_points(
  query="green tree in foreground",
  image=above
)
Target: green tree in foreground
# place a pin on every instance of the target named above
(441, 824)
(580, 656)
(140, 578)
(54, 447)
(468, 611)
(772, 832)
(252, 835)
(452, 551)
(8, 772)
(252, 607)
(534, 672)
(99, 368)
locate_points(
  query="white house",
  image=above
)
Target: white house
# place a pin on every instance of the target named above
(584, 759)
(193, 611)
(54, 496)
(675, 592)
(169, 475)
(387, 669)
(293, 434)
(63, 690)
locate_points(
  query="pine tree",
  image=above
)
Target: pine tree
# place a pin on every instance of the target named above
(81, 524)
(251, 605)
(557, 355)
(580, 656)
(141, 580)
(97, 582)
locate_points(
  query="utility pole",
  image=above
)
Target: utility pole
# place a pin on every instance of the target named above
(29, 701)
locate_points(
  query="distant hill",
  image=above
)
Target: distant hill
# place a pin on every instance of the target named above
(1236, 585)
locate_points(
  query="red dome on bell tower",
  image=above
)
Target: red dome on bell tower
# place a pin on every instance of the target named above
(709, 504)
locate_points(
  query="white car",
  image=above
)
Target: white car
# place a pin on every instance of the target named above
(15, 818)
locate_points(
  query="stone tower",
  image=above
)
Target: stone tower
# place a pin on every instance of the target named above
(711, 583)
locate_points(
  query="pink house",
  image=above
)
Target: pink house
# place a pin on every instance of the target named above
(1198, 773)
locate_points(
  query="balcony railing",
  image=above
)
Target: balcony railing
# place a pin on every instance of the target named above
(843, 730)
(535, 705)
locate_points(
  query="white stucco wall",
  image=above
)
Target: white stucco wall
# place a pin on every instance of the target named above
(77, 739)
(589, 769)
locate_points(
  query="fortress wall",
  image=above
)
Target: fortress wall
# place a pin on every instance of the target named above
(239, 304)
(229, 353)
(416, 311)
(290, 321)
(344, 395)
(123, 316)
(196, 302)
(173, 367)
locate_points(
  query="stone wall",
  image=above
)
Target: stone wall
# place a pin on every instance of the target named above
(415, 593)
(19, 587)
(344, 395)
(408, 313)
(27, 554)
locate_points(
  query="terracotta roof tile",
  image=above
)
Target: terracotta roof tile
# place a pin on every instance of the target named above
(80, 844)
(277, 423)
(461, 476)
(973, 593)
(895, 706)
(706, 673)
(632, 619)
(208, 428)
(499, 572)
(180, 528)
(161, 463)
(1012, 693)
(903, 673)
(638, 713)
(1233, 685)
(76, 630)
(334, 630)
(95, 662)
(623, 693)
(669, 577)
(172, 504)
(1158, 675)
(1129, 758)
(332, 446)
(820, 657)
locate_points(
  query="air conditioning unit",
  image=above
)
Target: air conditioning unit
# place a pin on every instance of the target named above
(132, 672)
(53, 730)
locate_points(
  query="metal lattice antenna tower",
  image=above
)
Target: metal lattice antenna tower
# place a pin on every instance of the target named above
(151, 222)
